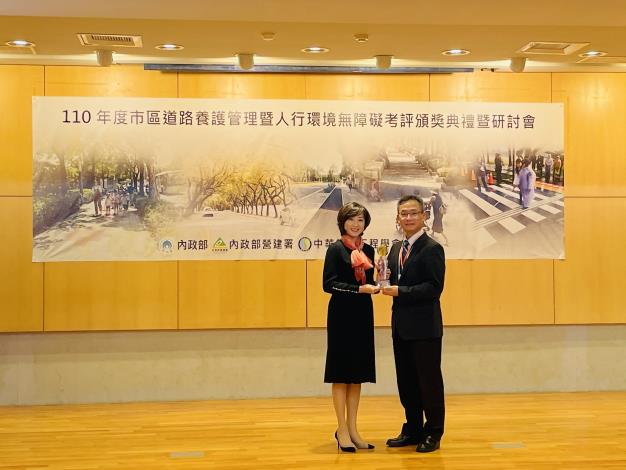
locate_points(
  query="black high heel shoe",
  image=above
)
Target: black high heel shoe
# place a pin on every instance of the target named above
(344, 449)
(366, 447)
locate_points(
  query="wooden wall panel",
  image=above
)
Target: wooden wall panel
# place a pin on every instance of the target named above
(21, 280)
(511, 292)
(18, 84)
(117, 295)
(456, 300)
(110, 296)
(316, 298)
(595, 141)
(241, 86)
(589, 283)
(367, 87)
(242, 294)
(491, 86)
(118, 80)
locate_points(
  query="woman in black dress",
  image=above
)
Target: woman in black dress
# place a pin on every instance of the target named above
(349, 278)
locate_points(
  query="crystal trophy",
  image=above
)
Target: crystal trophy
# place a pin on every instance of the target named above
(383, 276)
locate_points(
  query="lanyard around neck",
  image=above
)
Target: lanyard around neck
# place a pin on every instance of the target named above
(404, 258)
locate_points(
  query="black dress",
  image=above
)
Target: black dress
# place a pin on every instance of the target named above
(350, 324)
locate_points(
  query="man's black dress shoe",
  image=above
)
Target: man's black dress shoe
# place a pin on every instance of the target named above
(402, 440)
(427, 445)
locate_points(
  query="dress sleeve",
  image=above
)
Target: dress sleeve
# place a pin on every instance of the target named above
(332, 282)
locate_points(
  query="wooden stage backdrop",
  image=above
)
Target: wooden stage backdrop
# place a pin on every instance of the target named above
(586, 288)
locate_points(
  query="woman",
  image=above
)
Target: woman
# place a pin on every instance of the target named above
(349, 278)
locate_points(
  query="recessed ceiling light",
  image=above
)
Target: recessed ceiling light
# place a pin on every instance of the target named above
(592, 54)
(456, 52)
(268, 35)
(20, 43)
(361, 37)
(315, 50)
(169, 47)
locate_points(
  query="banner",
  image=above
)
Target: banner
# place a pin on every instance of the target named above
(177, 179)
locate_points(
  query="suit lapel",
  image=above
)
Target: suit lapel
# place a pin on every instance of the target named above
(416, 248)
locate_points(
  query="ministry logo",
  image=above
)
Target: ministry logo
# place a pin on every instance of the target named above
(166, 246)
(305, 244)
(220, 245)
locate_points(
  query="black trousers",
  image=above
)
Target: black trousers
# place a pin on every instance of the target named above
(420, 385)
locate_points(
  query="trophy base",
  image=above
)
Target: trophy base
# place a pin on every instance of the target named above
(383, 283)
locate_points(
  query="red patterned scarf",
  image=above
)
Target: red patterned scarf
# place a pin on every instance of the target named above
(360, 262)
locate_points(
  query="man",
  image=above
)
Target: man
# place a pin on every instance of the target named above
(539, 166)
(417, 266)
(97, 200)
(498, 162)
(481, 174)
(548, 168)
(557, 170)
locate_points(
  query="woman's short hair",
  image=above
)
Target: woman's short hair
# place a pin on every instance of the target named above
(349, 210)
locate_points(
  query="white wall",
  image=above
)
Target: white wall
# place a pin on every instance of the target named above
(183, 365)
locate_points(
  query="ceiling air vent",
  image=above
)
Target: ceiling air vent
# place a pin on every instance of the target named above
(552, 48)
(603, 60)
(116, 40)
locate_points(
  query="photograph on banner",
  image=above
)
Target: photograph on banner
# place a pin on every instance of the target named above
(155, 179)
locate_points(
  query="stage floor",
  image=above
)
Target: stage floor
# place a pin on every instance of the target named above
(521, 431)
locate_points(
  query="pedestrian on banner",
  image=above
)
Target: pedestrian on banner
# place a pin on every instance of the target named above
(526, 183)
(481, 174)
(539, 171)
(557, 170)
(97, 200)
(498, 165)
(549, 162)
(108, 202)
(439, 209)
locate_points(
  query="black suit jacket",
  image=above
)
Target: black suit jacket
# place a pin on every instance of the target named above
(416, 311)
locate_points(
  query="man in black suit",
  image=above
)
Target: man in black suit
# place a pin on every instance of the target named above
(417, 266)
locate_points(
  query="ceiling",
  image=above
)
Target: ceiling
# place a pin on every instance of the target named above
(414, 32)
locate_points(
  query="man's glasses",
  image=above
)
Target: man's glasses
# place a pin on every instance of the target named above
(410, 215)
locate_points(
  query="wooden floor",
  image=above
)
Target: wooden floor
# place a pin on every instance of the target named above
(535, 431)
